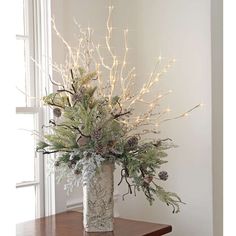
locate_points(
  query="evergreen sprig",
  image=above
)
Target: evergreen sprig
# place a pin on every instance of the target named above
(87, 122)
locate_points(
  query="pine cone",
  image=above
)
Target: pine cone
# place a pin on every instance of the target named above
(148, 179)
(88, 154)
(97, 134)
(163, 175)
(57, 112)
(132, 143)
(82, 141)
(71, 164)
(56, 163)
(100, 149)
(82, 90)
(77, 172)
(77, 97)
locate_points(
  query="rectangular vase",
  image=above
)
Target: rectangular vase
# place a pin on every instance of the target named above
(98, 200)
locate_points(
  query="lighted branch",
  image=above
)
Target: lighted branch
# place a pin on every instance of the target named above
(96, 112)
(183, 114)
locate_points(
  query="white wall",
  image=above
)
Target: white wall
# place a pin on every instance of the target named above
(181, 29)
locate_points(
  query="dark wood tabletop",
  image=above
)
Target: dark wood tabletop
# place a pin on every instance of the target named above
(70, 224)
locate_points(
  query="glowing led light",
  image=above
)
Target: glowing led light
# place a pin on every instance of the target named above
(115, 74)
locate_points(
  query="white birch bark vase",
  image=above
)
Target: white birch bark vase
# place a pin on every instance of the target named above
(98, 199)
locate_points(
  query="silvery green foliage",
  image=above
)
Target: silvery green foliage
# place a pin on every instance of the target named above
(72, 181)
(88, 166)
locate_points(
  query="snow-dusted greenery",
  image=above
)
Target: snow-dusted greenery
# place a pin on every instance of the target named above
(96, 119)
(89, 130)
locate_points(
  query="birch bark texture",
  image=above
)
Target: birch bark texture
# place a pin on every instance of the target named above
(98, 200)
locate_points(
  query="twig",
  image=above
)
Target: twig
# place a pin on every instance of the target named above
(122, 177)
(120, 114)
(53, 82)
(64, 90)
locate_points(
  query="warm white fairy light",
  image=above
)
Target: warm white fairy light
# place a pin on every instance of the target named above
(153, 79)
(185, 114)
(127, 83)
(118, 75)
(124, 60)
(63, 40)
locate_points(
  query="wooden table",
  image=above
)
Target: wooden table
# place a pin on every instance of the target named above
(70, 224)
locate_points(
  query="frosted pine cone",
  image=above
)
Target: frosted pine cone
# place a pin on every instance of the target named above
(97, 134)
(57, 112)
(82, 141)
(56, 163)
(148, 179)
(163, 175)
(82, 90)
(71, 164)
(132, 143)
(77, 97)
(101, 149)
(77, 172)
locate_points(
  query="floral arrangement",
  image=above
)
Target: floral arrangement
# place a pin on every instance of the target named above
(96, 119)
